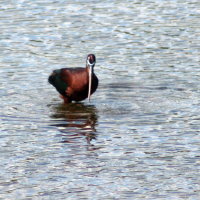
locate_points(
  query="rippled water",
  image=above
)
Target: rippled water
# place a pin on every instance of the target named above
(139, 136)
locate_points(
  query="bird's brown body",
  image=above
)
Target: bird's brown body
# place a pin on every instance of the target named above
(73, 83)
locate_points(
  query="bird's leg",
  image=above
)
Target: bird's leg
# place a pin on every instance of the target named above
(66, 99)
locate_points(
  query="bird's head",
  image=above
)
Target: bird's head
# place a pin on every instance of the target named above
(90, 62)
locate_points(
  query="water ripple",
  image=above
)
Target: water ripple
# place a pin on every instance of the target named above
(138, 138)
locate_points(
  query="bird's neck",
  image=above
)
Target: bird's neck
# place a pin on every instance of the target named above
(88, 69)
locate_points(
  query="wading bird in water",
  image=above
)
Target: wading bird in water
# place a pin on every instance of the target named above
(75, 84)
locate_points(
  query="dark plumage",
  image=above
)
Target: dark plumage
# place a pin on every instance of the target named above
(75, 84)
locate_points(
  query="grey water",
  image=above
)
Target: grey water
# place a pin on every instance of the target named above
(138, 138)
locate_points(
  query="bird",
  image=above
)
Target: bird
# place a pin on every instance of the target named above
(75, 84)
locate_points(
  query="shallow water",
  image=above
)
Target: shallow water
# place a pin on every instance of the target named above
(138, 138)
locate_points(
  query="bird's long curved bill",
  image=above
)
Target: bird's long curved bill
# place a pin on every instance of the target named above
(90, 83)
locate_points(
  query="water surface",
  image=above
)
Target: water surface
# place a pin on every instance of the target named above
(138, 138)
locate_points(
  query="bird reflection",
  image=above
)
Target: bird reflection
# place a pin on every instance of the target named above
(75, 120)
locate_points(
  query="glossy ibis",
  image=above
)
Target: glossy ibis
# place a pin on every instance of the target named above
(75, 84)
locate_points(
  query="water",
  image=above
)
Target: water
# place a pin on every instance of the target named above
(138, 138)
